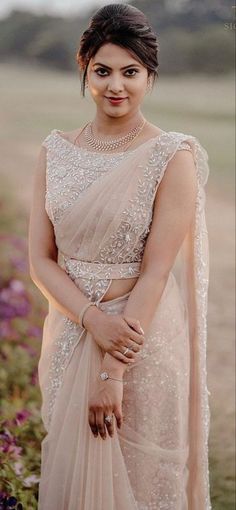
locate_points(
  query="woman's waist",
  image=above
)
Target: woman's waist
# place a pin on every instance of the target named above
(98, 270)
(109, 284)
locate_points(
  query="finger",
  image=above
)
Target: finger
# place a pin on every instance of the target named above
(109, 426)
(133, 348)
(138, 338)
(92, 423)
(128, 344)
(134, 323)
(118, 355)
(119, 418)
(100, 423)
(130, 353)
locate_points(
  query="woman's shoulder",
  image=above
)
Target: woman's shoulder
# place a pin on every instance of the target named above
(174, 141)
(69, 136)
(182, 140)
(169, 136)
(56, 136)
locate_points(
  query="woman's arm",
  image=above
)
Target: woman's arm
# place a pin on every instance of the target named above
(49, 277)
(174, 208)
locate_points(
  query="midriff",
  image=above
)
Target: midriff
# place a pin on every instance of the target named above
(119, 287)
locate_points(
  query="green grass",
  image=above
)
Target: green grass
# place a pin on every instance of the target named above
(223, 484)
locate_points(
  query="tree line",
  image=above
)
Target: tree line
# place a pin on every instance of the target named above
(193, 37)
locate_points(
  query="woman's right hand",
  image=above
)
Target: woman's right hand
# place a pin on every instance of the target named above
(114, 333)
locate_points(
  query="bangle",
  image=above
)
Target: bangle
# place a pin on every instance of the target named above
(81, 315)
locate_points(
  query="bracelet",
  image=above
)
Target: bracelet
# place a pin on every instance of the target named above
(81, 315)
(104, 376)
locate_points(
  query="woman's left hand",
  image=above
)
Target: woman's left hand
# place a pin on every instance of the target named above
(106, 400)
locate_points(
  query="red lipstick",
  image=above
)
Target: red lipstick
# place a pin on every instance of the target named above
(116, 100)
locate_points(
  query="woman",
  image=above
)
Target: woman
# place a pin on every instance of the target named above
(117, 204)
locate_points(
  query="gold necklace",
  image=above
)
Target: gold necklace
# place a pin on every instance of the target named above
(102, 145)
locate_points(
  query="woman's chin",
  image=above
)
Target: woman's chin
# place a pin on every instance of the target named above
(115, 112)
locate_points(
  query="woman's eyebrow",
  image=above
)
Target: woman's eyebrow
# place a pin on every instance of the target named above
(122, 68)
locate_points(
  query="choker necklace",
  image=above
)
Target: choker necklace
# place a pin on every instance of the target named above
(102, 145)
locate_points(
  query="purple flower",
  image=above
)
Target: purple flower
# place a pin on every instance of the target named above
(22, 416)
(8, 444)
(6, 434)
(14, 301)
(13, 450)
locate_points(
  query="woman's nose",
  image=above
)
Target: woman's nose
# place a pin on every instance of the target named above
(115, 84)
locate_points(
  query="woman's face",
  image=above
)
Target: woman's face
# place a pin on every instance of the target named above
(114, 73)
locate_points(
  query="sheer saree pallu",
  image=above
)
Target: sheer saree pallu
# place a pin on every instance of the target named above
(101, 207)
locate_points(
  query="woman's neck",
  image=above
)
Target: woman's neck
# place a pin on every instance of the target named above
(112, 126)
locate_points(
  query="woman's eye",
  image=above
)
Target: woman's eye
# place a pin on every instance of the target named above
(102, 71)
(134, 71)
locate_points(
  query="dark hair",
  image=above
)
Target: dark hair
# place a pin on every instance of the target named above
(124, 25)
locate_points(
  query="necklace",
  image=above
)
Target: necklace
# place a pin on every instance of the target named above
(104, 145)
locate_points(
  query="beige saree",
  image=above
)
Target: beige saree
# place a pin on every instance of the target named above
(101, 208)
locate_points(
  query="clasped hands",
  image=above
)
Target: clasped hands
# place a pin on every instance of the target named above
(114, 334)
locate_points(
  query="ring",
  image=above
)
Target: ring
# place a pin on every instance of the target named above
(108, 419)
(126, 350)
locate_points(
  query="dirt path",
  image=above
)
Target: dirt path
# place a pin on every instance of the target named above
(221, 324)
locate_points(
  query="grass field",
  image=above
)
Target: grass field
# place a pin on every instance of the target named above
(34, 101)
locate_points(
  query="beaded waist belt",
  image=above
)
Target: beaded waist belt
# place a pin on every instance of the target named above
(96, 270)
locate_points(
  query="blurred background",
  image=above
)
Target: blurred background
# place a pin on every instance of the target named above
(40, 91)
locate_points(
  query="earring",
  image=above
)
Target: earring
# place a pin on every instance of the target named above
(148, 86)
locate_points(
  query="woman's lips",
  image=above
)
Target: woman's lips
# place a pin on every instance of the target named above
(116, 101)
